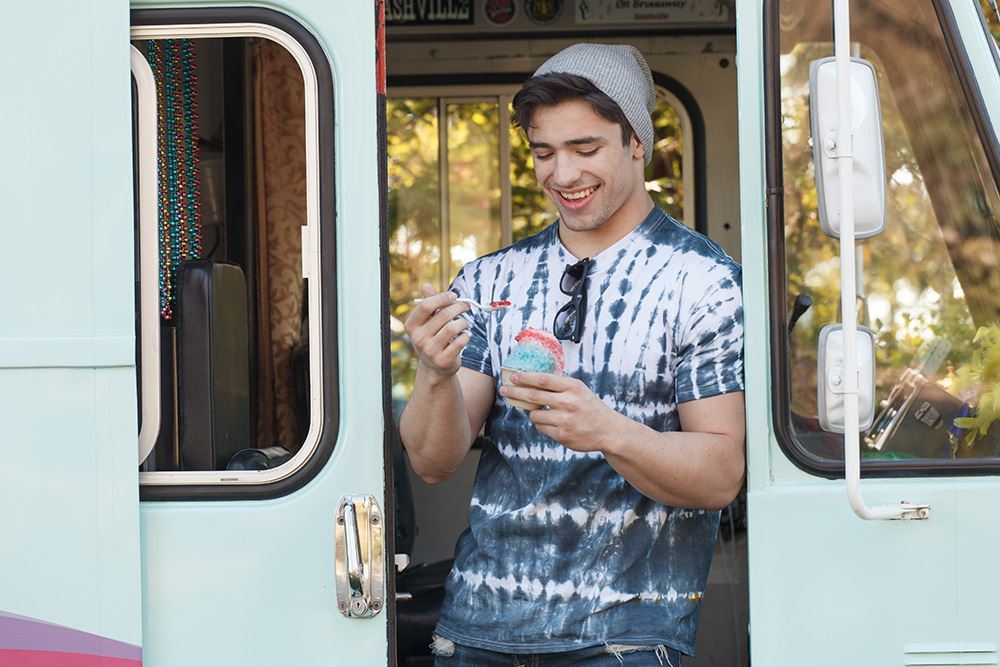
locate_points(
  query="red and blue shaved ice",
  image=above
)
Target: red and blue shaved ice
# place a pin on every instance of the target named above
(536, 351)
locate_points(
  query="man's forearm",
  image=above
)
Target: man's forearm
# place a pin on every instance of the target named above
(434, 426)
(677, 468)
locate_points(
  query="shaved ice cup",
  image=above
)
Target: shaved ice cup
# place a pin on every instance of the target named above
(536, 351)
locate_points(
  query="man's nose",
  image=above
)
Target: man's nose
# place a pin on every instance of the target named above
(566, 171)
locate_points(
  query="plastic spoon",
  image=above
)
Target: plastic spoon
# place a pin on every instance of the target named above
(486, 308)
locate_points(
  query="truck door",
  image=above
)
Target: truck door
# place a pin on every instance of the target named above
(69, 588)
(263, 504)
(827, 587)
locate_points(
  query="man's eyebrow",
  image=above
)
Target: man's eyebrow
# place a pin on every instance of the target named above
(580, 141)
(586, 140)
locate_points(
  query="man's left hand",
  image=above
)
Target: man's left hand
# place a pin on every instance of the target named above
(575, 417)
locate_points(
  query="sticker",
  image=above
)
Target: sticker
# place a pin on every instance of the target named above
(647, 11)
(543, 11)
(428, 12)
(500, 12)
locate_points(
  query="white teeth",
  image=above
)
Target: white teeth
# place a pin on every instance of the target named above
(577, 195)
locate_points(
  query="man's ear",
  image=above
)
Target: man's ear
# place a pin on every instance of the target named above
(638, 150)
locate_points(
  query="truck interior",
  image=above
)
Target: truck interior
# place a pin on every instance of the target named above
(461, 185)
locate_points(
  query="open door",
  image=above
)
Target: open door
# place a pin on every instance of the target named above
(901, 584)
(263, 508)
(70, 582)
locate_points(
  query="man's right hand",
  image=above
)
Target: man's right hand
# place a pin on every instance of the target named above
(449, 403)
(437, 333)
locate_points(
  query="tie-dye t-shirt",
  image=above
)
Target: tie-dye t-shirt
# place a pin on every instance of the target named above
(561, 552)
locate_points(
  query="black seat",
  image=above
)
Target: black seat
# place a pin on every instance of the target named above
(213, 364)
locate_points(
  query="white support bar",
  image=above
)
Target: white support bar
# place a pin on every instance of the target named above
(848, 287)
(149, 255)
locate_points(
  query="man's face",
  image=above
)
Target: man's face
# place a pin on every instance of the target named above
(581, 164)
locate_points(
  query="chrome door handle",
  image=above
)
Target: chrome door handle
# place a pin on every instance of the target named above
(359, 557)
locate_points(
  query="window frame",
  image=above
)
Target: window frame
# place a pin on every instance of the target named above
(319, 253)
(775, 221)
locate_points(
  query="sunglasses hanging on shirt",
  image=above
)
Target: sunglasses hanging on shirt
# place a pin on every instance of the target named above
(568, 324)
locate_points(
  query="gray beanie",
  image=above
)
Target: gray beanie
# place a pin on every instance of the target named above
(620, 72)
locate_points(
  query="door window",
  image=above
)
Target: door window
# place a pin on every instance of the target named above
(239, 394)
(929, 286)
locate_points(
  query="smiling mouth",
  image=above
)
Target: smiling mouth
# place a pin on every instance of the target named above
(576, 196)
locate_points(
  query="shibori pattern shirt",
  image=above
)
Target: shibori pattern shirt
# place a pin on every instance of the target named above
(561, 552)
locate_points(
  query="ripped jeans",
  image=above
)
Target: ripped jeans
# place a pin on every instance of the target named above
(449, 654)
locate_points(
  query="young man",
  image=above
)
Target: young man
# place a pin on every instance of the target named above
(593, 520)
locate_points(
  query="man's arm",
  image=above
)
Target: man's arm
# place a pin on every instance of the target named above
(700, 467)
(442, 419)
(449, 403)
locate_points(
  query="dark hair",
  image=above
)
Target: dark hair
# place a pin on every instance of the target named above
(554, 88)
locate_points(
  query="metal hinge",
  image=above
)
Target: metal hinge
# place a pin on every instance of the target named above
(359, 556)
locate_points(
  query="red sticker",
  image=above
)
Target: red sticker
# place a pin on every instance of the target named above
(500, 12)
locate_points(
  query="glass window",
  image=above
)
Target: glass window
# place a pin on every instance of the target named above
(235, 180)
(533, 211)
(466, 187)
(992, 20)
(929, 286)
(472, 181)
(665, 172)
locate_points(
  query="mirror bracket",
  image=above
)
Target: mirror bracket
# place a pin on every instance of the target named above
(830, 148)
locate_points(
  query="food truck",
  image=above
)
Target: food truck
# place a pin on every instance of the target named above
(199, 388)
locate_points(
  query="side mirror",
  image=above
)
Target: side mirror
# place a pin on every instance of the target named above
(869, 160)
(830, 378)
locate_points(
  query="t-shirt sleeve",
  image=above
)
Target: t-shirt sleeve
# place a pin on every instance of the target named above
(476, 354)
(710, 350)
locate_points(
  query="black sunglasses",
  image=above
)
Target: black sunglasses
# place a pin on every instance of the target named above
(568, 324)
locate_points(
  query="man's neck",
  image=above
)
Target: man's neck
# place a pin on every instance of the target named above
(624, 221)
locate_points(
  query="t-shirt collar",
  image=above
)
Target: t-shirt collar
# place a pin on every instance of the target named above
(605, 258)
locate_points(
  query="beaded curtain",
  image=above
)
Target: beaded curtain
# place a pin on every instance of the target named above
(173, 65)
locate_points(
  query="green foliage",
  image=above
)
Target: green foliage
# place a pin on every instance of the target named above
(979, 381)
(991, 19)
(414, 220)
(531, 210)
(473, 184)
(664, 174)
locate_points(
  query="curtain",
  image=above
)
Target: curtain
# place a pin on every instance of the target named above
(280, 171)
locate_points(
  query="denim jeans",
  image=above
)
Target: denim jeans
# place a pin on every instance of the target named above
(449, 654)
